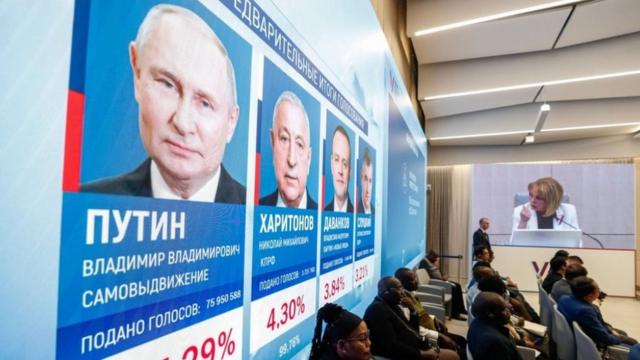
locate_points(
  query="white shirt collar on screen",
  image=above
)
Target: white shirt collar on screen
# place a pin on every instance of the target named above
(161, 190)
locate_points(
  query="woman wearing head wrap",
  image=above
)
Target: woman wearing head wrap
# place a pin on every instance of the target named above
(346, 336)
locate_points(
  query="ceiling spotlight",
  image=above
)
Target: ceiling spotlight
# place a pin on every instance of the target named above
(529, 139)
(542, 116)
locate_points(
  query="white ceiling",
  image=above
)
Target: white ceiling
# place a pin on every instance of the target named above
(536, 53)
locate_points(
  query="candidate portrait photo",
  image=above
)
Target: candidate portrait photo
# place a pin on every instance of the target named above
(166, 106)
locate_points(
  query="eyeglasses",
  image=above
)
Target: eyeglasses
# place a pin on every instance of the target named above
(363, 337)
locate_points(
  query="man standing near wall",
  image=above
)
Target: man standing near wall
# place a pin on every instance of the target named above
(481, 237)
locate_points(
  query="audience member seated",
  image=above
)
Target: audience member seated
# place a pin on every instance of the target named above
(519, 315)
(574, 259)
(511, 286)
(391, 333)
(488, 336)
(481, 270)
(558, 266)
(482, 253)
(561, 252)
(562, 287)
(432, 264)
(346, 336)
(433, 328)
(634, 353)
(579, 307)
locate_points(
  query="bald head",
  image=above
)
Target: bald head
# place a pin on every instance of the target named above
(482, 272)
(490, 307)
(386, 283)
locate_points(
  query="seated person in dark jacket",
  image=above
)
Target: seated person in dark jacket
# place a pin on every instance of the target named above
(391, 333)
(519, 314)
(346, 336)
(488, 335)
(578, 307)
(562, 287)
(434, 328)
(558, 267)
(432, 264)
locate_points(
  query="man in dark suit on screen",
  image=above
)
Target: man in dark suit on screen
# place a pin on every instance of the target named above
(185, 87)
(291, 150)
(340, 171)
(366, 180)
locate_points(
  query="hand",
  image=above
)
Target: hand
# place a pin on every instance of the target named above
(528, 343)
(525, 215)
(406, 302)
(440, 326)
(447, 343)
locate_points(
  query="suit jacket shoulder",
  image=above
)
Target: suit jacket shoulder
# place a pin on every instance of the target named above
(360, 207)
(329, 206)
(311, 204)
(229, 190)
(136, 183)
(487, 342)
(270, 200)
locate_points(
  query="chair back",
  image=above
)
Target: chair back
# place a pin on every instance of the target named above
(423, 276)
(546, 311)
(562, 334)
(586, 348)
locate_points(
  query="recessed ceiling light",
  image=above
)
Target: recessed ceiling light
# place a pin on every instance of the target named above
(531, 85)
(477, 135)
(592, 127)
(496, 16)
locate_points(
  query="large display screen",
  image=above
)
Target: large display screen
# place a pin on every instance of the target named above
(220, 179)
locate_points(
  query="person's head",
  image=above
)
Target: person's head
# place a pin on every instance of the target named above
(492, 283)
(345, 333)
(390, 290)
(482, 253)
(491, 307)
(484, 223)
(561, 252)
(585, 288)
(433, 256)
(185, 87)
(558, 264)
(291, 148)
(481, 272)
(340, 162)
(492, 255)
(480, 263)
(408, 278)
(547, 196)
(575, 270)
(366, 179)
(574, 259)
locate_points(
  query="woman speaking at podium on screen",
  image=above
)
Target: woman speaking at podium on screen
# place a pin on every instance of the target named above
(545, 209)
